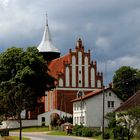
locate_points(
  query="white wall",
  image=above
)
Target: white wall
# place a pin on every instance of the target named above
(94, 108)
(47, 115)
(15, 124)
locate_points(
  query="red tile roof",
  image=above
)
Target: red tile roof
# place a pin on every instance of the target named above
(57, 65)
(131, 102)
(91, 94)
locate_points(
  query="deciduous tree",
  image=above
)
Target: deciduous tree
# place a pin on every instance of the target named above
(23, 78)
(126, 81)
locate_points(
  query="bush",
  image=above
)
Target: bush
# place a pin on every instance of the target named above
(106, 135)
(80, 130)
(96, 133)
(86, 132)
(77, 130)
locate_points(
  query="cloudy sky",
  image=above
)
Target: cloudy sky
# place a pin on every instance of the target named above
(109, 28)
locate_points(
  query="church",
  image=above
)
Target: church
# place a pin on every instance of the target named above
(75, 74)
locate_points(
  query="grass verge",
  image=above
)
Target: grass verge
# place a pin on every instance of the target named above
(33, 129)
(13, 138)
(58, 133)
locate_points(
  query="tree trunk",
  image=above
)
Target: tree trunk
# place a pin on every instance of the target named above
(20, 122)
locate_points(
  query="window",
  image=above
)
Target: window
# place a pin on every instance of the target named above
(109, 93)
(110, 104)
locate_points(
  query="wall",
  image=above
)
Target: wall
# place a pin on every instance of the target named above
(15, 124)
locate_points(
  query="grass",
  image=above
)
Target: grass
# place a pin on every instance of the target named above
(58, 133)
(13, 138)
(33, 129)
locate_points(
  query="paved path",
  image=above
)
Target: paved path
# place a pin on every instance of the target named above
(44, 136)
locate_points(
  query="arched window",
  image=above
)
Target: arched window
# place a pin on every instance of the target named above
(61, 82)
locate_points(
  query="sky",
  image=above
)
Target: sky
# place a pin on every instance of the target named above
(109, 28)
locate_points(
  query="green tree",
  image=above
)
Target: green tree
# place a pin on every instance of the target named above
(23, 78)
(126, 81)
(130, 120)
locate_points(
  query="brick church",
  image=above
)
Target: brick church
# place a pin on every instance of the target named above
(75, 73)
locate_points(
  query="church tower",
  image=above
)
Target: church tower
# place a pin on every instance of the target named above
(46, 47)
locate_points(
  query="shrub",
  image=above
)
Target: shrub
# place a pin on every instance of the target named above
(80, 130)
(106, 135)
(86, 132)
(77, 130)
(96, 133)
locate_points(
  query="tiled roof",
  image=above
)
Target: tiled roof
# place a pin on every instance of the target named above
(91, 94)
(131, 102)
(57, 65)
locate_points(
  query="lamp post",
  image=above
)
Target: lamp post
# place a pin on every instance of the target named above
(103, 112)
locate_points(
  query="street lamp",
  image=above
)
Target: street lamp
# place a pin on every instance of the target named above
(103, 112)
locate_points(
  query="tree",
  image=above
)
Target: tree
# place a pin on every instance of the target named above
(126, 81)
(130, 120)
(23, 78)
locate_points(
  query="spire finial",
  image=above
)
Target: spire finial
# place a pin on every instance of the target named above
(46, 19)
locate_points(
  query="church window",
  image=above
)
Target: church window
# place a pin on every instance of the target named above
(61, 82)
(67, 77)
(99, 84)
(92, 77)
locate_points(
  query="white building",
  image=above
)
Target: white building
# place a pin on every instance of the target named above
(88, 109)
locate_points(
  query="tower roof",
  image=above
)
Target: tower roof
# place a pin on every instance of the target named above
(46, 44)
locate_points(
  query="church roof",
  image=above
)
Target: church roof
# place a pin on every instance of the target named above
(46, 44)
(57, 65)
(131, 102)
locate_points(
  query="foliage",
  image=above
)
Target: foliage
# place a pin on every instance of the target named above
(86, 132)
(80, 130)
(130, 120)
(106, 135)
(111, 119)
(57, 121)
(77, 130)
(23, 78)
(126, 81)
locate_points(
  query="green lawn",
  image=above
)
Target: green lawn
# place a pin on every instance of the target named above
(33, 129)
(13, 138)
(58, 133)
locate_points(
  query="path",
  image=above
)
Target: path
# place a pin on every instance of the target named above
(44, 136)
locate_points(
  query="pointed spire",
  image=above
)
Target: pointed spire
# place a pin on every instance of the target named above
(46, 44)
